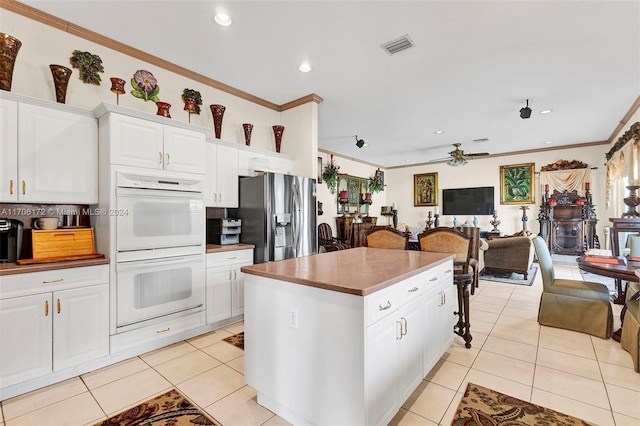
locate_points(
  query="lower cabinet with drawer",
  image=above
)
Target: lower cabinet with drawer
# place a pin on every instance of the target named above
(225, 284)
(51, 321)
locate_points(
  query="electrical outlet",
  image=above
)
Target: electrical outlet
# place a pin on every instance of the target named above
(293, 318)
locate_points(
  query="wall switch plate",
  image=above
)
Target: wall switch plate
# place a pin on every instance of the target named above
(293, 318)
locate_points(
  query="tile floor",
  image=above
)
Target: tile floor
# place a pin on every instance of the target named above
(571, 372)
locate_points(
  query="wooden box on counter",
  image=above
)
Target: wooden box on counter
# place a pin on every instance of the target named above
(58, 243)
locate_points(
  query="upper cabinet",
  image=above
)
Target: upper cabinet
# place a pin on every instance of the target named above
(252, 160)
(221, 184)
(141, 140)
(49, 153)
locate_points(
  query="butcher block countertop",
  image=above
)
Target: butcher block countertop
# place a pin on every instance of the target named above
(12, 268)
(217, 248)
(360, 271)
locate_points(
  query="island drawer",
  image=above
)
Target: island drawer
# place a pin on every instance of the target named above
(381, 303)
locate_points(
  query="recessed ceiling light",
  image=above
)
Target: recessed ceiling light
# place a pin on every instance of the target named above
(439, 132)
(548, 142)
(546, 111)
(222, 19)
(304, 67)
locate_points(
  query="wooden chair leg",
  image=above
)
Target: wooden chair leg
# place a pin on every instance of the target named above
(467, 325)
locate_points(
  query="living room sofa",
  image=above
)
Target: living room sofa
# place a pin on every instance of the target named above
(510, 254)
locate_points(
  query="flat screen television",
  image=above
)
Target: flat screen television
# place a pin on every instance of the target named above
(468, 201)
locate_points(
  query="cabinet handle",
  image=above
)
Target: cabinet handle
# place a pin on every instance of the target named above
(219, 196)
(168, 159)
(10, 186)
(163, 331)
(433, 279)
(229, 275)
(444, 298)
(159, 157)
(441, 298)
(405, 326)
(53, 281)
(235, 275)
(384, 308)
(46, 308)
(400, 324)
(413, 289)
(232, 257)
(448, 271)
(58, 305)
(24, 187)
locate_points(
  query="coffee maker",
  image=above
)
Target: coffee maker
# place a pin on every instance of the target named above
(10, 239)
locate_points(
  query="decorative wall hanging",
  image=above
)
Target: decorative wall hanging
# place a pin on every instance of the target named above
(248, 128)
(163, 109)
(61, 75)
(564, 165)
(425, 189)
(89, 66)
(376, 182)
(218, 113)
(145, 86)
(330, 174)
(117, 87)
(278, 130)
(516, 184)
(9, 47)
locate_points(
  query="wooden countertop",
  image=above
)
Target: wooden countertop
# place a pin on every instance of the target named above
(217, 248)
(12, 268)
(360, 271)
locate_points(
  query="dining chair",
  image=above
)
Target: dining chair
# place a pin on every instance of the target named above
(386, 237)
(572, 304)
(327, 240)
(449, 240)
(476, 254)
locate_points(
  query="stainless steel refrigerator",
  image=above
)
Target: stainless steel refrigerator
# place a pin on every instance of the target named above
(278, 215)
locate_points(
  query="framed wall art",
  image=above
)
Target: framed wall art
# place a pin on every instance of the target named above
(319, 169)
(517, 184)
(425, 189)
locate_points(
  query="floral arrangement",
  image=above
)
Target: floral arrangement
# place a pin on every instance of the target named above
(375, 183)
(145, 86)
(564, 165)
(195, 95)
(88, 64)
(330, 175)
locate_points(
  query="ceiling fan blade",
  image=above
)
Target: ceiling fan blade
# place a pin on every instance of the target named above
(440, 159)
(477, 154)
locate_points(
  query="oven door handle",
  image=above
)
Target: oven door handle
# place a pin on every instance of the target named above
(126, 266)
(157, 193)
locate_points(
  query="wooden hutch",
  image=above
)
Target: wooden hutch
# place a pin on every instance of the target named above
(568, 222)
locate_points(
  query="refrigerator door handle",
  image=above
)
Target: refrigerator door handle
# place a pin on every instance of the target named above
(297, 220)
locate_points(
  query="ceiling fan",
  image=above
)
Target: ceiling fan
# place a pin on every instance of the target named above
(458, 156)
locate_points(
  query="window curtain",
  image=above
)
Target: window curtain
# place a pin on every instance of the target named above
(623, 169)
(561, 180)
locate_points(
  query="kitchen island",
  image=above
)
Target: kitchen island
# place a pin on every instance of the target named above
(344, 338)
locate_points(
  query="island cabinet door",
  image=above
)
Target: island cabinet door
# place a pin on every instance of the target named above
(439, 322)
(381, 361)
(410, 346)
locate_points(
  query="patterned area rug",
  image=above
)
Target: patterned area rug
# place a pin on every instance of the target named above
(168, 409)
(609, 282)
(485, 407)
(236, 340)
(511, 277)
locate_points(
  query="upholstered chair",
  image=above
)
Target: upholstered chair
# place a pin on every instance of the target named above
(509, 254)
(572, 304)
(630, 337)
(326, 240)
(387, 237)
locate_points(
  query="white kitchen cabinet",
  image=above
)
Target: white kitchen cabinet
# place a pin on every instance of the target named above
(49, 154)
(139, 142)
(52, 320)
(221, 184)
(281, 164)
(441, 318)
(250, 161)
(225, 284)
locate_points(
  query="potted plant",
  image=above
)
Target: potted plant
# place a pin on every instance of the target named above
(89, 65)
(375, 182)
(195, 95)
(330, 175)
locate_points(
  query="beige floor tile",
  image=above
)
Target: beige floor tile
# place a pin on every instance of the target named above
(572, 407)
(209, 338)
(407, 418)
(129, 391)
(491, 381)
(40, 398)
(223, 351)
(237, 364)
(502, 293)
(519, 313)
(517, 350)
(457, 353)
(235, 328)
(485, 307)
(489, 300)
(212, 385)
(571, 386)
(186, 366)
(530, 324)
(114, 372)
(568, 363)
(430, 401)
(612, 353)
(477, 341)
(518, 371)
(568, 342)
(622, 420)
(239, 408)
(490, 317)
(167, 353)
(528, 305)
(480, 326)
(447, 374)
(624, 401)
(451, 410)
(620, 376)
(277, 421)
(77, 410)
(520, 335)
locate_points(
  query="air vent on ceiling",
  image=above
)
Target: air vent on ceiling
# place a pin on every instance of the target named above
(398, 45)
